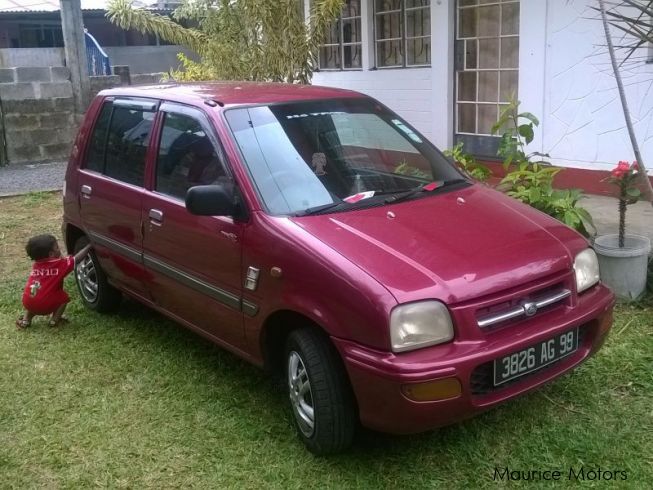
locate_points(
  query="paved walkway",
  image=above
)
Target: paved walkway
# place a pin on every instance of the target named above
(20, 179)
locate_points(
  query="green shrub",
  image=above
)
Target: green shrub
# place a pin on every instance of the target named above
(468, 163)
(531, 180)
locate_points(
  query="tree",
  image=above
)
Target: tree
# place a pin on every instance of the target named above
(259, 40)
(636, 23)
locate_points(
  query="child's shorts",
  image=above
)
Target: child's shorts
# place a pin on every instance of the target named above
(46, 305)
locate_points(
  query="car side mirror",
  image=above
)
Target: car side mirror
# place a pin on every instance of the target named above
(214, 200)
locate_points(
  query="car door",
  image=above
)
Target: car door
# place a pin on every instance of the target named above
(194, 261)
(111, 181)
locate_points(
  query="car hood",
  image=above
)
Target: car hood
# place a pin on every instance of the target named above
(453, 246)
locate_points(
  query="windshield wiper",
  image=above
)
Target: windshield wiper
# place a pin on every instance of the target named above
(319, 209)
(425, 188)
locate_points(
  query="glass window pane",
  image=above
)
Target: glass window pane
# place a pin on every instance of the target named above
(352, 8)
(467, 86)
(419, 51)
(468, 2)
(488, 56)
(487, 117)
(388, 26)
(466, 118)
(489, 20)
(510, 19)
(383, 5)
(388, 53)
(186, 157)
(467, 23)
(329, 57)
(417, 3)
(508, 86)
(333, 34)
(418, 23)
(352, 56)
(471, 54)
(488, 86)
(129, 136)
(351, 31)
(95, 157)
(510, 52)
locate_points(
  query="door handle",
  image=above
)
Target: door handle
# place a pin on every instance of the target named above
(156, 216)
(86, 191)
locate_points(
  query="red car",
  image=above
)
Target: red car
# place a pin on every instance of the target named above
(315, 233)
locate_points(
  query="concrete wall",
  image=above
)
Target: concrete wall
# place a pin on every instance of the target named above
(140, 59)
(31, 57)
(38, 110)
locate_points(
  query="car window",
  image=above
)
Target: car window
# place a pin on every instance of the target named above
(127, 141)
(187, 157)
(95, 157)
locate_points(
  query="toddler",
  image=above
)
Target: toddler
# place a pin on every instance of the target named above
(44, 294)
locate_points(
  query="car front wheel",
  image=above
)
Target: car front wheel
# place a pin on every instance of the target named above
(319, 392)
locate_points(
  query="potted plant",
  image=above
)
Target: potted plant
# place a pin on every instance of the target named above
(623, 257)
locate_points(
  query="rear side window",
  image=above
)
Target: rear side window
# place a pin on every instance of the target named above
(119, 142)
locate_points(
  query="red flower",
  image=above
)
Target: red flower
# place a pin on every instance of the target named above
(621, 169)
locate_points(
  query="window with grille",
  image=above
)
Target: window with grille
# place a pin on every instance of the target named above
(342, 49)
(487, 63)
(402, 33)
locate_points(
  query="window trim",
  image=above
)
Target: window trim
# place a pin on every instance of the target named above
(403, 38)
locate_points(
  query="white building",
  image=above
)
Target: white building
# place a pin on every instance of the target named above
(447, 66)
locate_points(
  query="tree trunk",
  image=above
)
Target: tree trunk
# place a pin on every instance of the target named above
(646, 183)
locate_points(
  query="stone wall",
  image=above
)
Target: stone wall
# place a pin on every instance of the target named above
(37, 110)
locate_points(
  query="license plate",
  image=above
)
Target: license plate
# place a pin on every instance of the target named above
(533, 358)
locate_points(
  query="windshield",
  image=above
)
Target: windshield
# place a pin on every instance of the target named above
(310, 154)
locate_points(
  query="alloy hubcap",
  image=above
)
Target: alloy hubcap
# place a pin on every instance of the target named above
(87, 279)
(301, 398)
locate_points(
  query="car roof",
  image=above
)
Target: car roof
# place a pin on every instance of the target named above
(231, 93)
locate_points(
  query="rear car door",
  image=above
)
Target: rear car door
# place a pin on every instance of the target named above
(194, 262)
(111, 181)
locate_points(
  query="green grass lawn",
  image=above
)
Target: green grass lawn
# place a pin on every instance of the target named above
(134, 401)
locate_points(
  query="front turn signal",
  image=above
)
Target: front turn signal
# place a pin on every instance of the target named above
(440, 389)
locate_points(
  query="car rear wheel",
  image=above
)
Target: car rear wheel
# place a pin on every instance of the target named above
(320, 395)
(96, 292)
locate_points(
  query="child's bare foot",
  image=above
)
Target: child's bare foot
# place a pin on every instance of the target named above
(22, 323)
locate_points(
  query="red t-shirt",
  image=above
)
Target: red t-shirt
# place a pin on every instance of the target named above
(44, 292)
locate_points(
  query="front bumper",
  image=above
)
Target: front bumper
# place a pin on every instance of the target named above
(377, 377)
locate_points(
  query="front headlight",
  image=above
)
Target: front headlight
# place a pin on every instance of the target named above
(421, 324)
(586, 267)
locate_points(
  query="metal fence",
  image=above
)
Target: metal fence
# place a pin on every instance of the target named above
(97, 59)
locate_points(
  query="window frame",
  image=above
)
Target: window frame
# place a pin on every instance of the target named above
(341, 44)
(170, 107)
(403, 39)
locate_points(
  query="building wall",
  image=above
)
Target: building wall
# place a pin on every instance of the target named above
(583, 124)
(408, 92)
(565, 79)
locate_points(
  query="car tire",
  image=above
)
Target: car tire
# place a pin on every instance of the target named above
(320, 396)
(94, 288)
